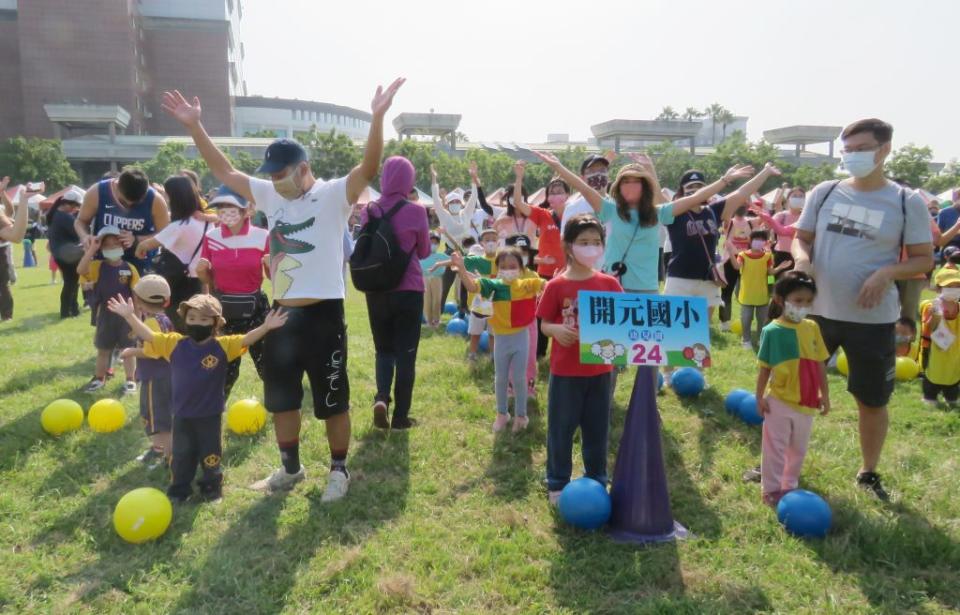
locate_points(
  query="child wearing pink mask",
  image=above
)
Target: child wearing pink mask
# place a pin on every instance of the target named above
(579, 395)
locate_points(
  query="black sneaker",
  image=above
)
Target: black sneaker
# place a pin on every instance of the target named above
(404, 423)
(752, 475)
(871, 481)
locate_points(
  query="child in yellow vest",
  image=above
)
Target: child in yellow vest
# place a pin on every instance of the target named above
(754, 265)
(941, 348)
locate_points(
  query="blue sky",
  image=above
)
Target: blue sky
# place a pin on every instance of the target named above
(517, 70)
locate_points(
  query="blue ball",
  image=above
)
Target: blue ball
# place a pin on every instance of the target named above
(457, 326)
(660, 381)
(687, 382)
(805, 514)
(748, 410)
(585, 503)
(732, 402)
(449, 307)
(484, 345)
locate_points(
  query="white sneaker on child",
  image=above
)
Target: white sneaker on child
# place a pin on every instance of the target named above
(520, 423)
(280, 480)
(337, 485)
(129, 387)
(554, 497)
(747, 345)
(500, 422)
(725, 326)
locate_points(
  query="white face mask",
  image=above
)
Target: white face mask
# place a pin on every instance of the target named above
(758, 244)
(796, 202)
(289, 186)
(509, 275)
(456, 208)
(795, 313)
(588, 256)
(490, 246)
(475, 250)
(859, 164)
(950, 294)
(112, 254)
(229, 216)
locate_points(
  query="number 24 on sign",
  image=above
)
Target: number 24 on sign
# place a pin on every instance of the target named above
(647, 354)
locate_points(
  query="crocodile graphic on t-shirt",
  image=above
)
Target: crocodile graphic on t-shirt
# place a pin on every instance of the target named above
(282, 245)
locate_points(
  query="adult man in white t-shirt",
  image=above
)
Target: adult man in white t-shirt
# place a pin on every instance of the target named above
(307, 219)
(595, 170)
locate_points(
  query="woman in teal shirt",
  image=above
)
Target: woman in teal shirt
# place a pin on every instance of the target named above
(633, 213)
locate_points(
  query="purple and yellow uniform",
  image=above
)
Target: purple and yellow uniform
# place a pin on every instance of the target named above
(198, 370)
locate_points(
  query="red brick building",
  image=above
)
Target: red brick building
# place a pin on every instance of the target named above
(72, 68)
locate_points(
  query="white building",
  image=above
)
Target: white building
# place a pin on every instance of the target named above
(288, 117)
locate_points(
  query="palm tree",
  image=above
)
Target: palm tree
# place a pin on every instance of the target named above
(692, 114)
(726, 117)
(668, 114)
(715, 112)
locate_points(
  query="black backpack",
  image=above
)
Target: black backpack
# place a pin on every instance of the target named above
(377, 263)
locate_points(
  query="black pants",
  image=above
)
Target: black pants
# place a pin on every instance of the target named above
(196, 441)
(6, 297)
(662, 267)
(395, 319)
(542, 340)
(931, 390)
(242, 327)
(726, 293)
(69, 306)
(449, 277)
(180, 292)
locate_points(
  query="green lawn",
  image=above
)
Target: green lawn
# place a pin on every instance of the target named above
(447, 518)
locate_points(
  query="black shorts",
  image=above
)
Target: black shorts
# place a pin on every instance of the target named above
(112, 332)
(156, 400)
(313, 341)
(871, 354)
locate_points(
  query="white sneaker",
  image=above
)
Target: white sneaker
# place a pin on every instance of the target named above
(337, 485)
(129, 387)
(280, 480)
(725, 326)
(747, 345)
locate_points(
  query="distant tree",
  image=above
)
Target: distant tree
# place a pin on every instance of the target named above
(461, 138)
(668, 114)
(332, 154)
(265, 133)
(31, 160)
(807, 176)
(726, 117)
(715, 112)
(692, 114)
(671, 163)
(910, 163)
(946, 179)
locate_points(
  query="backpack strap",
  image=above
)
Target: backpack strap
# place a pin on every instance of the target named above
(397, 206)
(825, 197)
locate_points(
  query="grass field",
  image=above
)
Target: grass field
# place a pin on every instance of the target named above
(447, 518)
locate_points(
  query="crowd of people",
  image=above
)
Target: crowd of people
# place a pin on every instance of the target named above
(174, 284)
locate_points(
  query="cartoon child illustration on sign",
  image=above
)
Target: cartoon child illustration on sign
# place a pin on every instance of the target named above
(608, 351)
(698, 353)
(569, 312)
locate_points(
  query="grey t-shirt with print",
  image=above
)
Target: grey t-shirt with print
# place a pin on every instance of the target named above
(858, 233)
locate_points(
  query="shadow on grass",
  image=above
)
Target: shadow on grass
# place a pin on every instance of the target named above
(716, 424)
(19, 436)
(78, 466)
(254, 565)
(30, 379)
(593, 574)
(511, 461)
(238, 449)
(31, 323)
(119, 565)
(898, 557)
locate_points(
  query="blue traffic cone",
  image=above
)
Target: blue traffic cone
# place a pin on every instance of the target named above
(641, 503)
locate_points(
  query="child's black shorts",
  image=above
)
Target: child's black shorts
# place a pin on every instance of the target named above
(313, 341)
(112, 332)
(156, 399)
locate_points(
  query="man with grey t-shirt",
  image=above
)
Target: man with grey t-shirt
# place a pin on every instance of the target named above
(850, 238)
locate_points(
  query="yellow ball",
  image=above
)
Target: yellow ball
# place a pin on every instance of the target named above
(907, 368)
(142, 514)
(842, 366)
(106, 415)
(61, 416)
(246, 417)
(736, 327)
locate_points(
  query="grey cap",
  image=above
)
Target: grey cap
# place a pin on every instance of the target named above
(108, 230)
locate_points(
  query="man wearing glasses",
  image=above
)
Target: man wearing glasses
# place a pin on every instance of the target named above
(856, 237)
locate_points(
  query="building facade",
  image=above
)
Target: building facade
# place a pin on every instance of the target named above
(116, 53)
(284, 117)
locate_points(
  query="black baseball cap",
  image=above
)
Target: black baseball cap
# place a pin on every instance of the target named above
(518, 241)
(692, 177)
(592, 158)
(281, 154)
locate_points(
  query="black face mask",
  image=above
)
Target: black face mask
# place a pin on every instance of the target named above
(198, 333)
